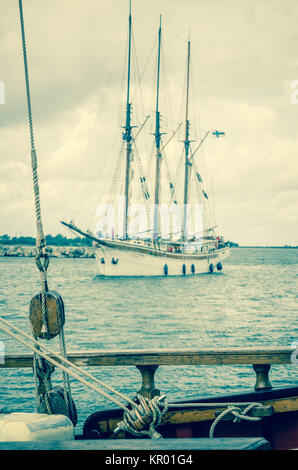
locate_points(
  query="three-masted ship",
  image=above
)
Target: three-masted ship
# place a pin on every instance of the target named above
(154, 254)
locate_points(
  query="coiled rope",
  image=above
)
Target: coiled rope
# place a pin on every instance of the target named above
(147, 413)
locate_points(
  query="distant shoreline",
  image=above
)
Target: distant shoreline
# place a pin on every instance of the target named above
(260, 246)
(55, 251)
(27, 251)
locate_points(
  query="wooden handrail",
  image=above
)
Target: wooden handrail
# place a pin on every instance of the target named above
(148, 360)
(170, 357)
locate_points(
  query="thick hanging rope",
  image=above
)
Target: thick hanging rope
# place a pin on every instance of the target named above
(40, 241)
(42, 258)
(40, 238)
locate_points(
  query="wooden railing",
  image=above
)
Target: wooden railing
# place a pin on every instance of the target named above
(148, 360)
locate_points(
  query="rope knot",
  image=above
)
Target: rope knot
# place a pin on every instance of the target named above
(44, 370)
(42, 266)
(144, 418)
(243, 414)
(238, 413)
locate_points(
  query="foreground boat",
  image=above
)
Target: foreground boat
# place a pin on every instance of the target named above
(216, 421)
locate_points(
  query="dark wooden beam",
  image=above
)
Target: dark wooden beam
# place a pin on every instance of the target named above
(170, 357)
(245, 443)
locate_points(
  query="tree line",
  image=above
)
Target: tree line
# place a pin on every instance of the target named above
(56, 240)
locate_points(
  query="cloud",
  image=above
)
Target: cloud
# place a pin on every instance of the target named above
(244, 59)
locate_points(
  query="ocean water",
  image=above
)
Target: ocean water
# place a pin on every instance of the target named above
(252, 302)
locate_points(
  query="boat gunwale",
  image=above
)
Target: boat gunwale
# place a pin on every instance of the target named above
(167, 356)
(122, 245)
(273, 397)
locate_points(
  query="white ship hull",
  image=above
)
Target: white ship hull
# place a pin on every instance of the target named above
(127, 261)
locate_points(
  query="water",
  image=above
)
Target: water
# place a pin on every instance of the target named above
(253, 302)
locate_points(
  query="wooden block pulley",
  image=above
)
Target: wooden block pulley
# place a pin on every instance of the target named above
(55, 317)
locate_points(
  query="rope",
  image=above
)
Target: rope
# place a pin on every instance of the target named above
(116, 172)
(64, 360)
(42, 259)
(232, 407)
(145, 418)
(239, 415)
(40, 239)
(66, 383)
(40, 235)
(43, 371)
(146, 413)
(143, 184)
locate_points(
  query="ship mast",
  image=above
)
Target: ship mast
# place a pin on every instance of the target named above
(127, 136)
(186, 148)
(157, 135)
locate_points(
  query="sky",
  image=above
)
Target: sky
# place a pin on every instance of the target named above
(244, 63)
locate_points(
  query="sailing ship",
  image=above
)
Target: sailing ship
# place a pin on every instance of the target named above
(180, 251)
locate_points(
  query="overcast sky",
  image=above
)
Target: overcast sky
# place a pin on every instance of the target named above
(244, 58)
